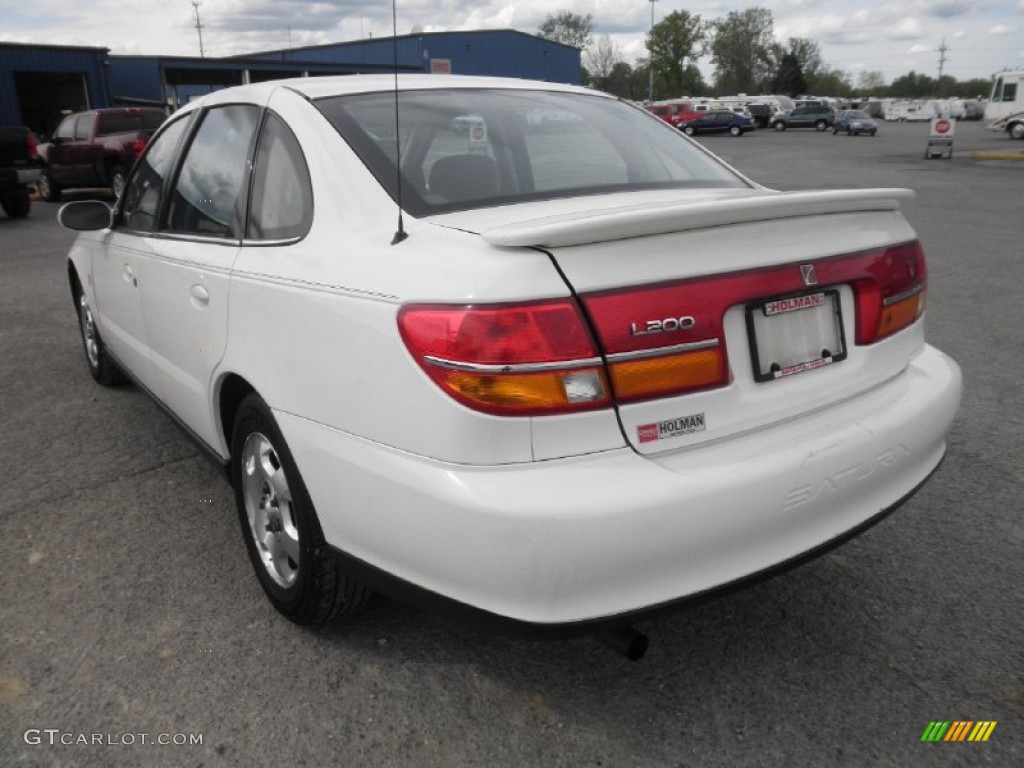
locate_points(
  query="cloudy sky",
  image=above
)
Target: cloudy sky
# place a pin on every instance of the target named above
(890, 36)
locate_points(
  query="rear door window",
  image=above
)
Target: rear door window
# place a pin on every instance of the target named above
(209, 193)
(282, 193)
(129, 122)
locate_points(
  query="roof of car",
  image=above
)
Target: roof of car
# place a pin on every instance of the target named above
(321, 87)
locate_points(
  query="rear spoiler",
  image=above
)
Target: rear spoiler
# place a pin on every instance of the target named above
(623, 222)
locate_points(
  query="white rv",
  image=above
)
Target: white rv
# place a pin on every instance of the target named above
(1005, 110)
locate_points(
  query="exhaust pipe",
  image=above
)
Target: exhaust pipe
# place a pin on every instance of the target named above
(627, 641)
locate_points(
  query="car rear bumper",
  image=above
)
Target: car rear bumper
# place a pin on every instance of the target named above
(597, 537)
(14, 178)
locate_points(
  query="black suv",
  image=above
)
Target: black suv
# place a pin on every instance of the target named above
(819, 118)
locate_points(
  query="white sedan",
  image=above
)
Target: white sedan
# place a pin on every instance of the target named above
(558, 367)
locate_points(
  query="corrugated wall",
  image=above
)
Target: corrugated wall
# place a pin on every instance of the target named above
(499, 53)
(40, 58)
(136, 77)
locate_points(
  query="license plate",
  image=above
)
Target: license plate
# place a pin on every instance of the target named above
(793, 334)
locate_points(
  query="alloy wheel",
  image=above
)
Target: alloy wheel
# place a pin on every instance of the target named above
(268, 506)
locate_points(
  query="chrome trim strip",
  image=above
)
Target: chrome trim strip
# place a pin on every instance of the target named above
(643, 354)
(901, 296)
(566, 365)
(233, 242)
(253, 243)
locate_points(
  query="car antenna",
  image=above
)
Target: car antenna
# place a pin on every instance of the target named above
(400, 233)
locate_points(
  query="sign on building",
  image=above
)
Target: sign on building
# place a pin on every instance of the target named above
(440, 66)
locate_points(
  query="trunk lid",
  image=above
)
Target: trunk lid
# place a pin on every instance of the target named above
(731, 281)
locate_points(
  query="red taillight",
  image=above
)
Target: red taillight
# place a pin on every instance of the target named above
(137, 146)
(891, 295)
(32, 145)
(658, 341)
(509, 359)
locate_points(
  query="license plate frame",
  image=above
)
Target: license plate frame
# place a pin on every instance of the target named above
(814, 316)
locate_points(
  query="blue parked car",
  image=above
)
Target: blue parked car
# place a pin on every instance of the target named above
(854, 121)
(719, 121)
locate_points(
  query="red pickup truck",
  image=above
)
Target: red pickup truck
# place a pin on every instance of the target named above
(96, 149)
(677, 113)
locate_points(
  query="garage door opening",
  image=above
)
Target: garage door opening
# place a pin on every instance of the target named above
(45, 97)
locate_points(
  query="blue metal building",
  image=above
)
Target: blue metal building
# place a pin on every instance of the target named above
(496, 52)
(39, 83)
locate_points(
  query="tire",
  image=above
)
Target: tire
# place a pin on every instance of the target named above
(117, 180)
(821, 125)
(16, 204)
(49, 190)
(780, 126)
(102, 368)
(873, 133)
(297, 570)
(735, 131)
(688, 130)
(1016, 131)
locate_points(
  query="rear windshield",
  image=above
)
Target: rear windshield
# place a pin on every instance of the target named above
(476, 148)
(856, 113)
(130, 122)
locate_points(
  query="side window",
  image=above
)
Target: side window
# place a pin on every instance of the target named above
(66, 129)
(1009, 92)
(142, 193)
(83, 128)
(209, 197)
(282, 193)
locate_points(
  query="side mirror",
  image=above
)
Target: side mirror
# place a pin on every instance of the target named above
(85, 215)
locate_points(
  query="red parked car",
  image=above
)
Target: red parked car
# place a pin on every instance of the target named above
(96, 149)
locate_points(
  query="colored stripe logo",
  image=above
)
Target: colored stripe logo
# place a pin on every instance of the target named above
(958, 730)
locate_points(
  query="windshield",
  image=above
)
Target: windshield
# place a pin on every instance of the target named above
(857, 114)
(475, 148)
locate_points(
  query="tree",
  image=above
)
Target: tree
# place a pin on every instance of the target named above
(601, 59)
(871, 82)
(620, 82)
(675, 43)
(808, 54)
(790, 77)
(912, 86)
(742, 51)
(831, 82)
(568, 28)
(693, 81)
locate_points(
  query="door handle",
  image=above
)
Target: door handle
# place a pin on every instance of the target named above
(129, 276)
(200, 296)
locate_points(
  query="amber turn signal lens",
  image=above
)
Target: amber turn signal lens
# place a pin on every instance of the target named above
(658, 376)
(903, 313)
(529, 392)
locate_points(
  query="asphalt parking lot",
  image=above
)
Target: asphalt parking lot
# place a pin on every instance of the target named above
(128, 606)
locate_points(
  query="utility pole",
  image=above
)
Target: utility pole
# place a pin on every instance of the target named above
(199, 29)
(650, 61)
(942, 64)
